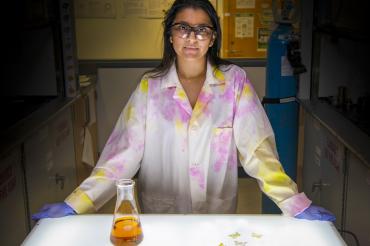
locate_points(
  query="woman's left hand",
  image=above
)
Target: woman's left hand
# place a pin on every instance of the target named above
(316, 213)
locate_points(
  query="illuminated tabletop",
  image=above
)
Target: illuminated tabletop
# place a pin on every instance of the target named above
(178, 230)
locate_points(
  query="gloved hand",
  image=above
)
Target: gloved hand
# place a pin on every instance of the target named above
(315, 213)
(54, 210)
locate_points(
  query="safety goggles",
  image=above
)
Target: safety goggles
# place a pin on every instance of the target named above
(183, 30)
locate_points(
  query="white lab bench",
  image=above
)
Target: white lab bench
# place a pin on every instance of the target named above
(189, 230)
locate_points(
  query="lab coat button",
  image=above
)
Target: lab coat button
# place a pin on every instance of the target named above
(193, 128)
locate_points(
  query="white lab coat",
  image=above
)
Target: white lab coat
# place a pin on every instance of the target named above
(188, 157)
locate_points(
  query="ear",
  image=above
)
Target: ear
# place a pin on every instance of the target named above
(171, 39)
(212, 41)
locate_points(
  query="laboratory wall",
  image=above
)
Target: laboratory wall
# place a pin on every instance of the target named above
(133, 29)
(119, 33)
(105, 39)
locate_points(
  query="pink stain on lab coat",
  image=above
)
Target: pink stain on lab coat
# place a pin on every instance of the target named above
(228, 95)
(117, 170)
(168, 111)
(204, 97)
(221, 146)
(111, 176)
(166, 106)
(114, 148)
(184, 116)
(247, 106)
(110, 151)
(198, 174)
(140, 147)
(115, 136)
(232, 162)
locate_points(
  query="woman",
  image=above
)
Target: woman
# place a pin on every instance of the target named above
(183, 128)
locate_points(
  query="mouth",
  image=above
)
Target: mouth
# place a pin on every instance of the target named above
(190, 48)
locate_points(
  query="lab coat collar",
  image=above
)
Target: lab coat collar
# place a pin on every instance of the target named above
(214, 76)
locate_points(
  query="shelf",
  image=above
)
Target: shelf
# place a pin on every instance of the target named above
(359, 119)
(355, 139)
(342, 32)
(15, 134)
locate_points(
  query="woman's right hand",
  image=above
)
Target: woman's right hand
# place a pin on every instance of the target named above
(54, 210)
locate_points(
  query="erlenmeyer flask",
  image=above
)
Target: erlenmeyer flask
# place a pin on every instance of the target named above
(126, 228)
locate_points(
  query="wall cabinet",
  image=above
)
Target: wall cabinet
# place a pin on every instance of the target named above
(337, 180)
(50, 162)
(13, 210)
(44, 166)
(358, 202)
(324, 168)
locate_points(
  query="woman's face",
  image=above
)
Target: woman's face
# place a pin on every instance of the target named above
(192, 34)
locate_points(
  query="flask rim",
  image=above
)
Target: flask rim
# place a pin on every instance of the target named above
(125, 182)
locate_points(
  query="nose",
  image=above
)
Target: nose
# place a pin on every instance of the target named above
(191, 35)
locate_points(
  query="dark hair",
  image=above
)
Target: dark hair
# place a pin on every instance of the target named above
(169, 55)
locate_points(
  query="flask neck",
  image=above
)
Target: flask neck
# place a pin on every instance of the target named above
(125, 189)
(125, 193)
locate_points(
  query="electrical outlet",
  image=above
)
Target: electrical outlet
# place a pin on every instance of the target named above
(95, 9)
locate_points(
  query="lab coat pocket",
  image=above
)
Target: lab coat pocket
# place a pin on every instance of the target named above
(157, 203)
(222, 148)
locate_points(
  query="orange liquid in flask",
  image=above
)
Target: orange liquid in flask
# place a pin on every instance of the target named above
(126, 231)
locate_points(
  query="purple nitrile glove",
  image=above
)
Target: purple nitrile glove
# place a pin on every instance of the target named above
(316, 213)
(54, 210)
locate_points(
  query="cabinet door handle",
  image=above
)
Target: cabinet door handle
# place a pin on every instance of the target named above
(318, 185)
(87, 110)
(59, 179)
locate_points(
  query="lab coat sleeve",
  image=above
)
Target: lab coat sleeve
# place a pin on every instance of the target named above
(273, 181)
(255, 141)
(120, 158)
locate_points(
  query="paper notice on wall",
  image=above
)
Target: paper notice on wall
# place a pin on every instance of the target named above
(158, 8)
(244, 26)
(134, 8)
(266, 17)
(245, 4)
(263, 35)
(145, 8)
(95, 8)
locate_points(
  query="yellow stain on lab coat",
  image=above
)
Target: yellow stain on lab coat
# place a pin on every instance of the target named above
(144, 86)
(273, 180)
(247, 91)
(179, 124)
(129, 112)
(219, 74)
(100, 173)
(80, 201)
(181, 94)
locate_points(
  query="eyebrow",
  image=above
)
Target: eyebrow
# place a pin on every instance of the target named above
(199, 25)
